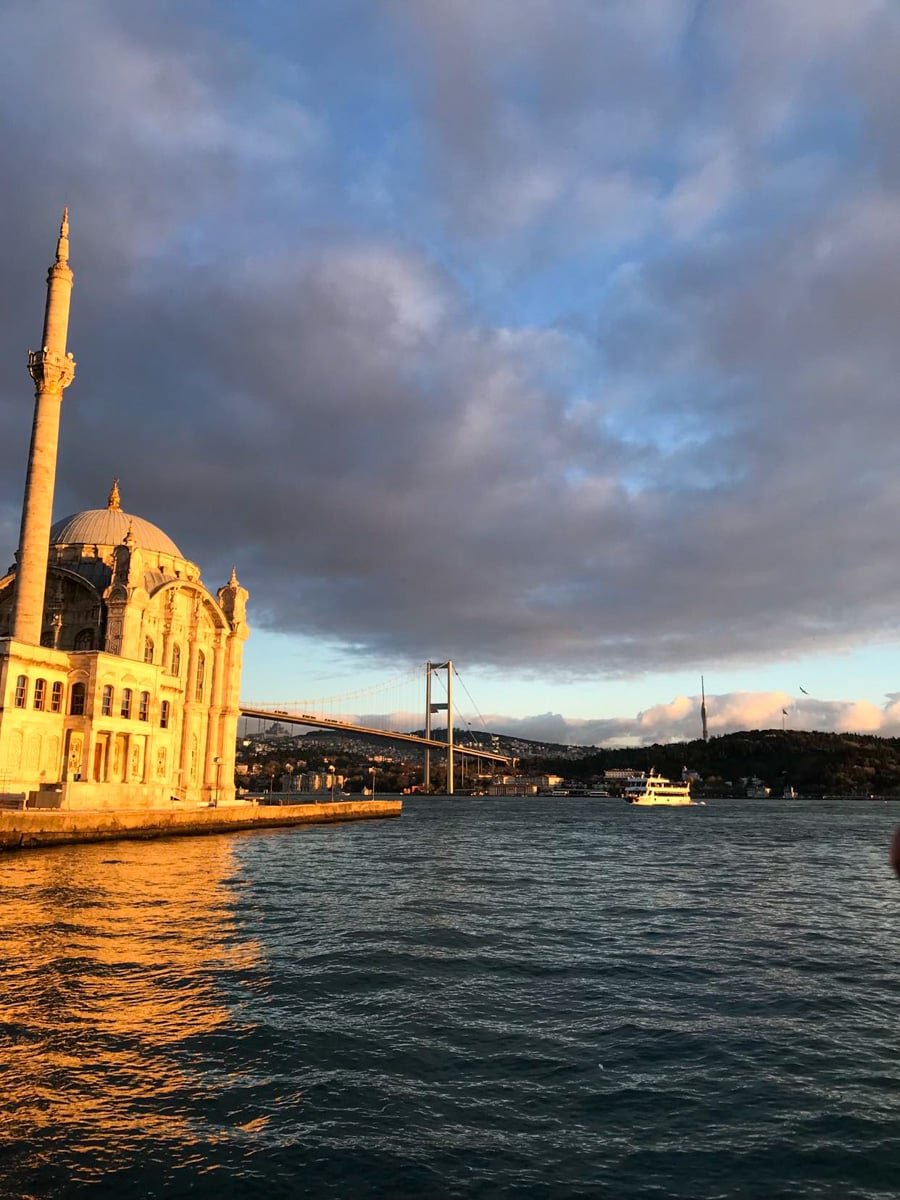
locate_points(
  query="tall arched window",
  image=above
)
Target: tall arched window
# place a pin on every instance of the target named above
(56, 697)
(40, 693)
(76, 700)
(144, 707)
(21, 691)
(176, 659)
(148, 650)
(201, 675)
(84, 639)
(164, 715)
(106, 701)
(126, 702)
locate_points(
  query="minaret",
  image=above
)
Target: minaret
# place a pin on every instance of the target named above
(703, 710)
(52, 370)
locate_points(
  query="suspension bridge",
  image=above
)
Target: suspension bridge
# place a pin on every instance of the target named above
(332, 713)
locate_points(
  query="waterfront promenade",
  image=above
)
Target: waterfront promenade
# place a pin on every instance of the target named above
(35, 828)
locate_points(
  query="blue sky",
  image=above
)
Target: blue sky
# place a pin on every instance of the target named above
(558, 338)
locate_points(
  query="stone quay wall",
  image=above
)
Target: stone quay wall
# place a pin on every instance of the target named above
(29, 829)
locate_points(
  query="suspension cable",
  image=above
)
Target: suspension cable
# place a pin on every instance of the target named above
(471, 701)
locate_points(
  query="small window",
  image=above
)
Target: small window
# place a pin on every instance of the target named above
(56, 697)
(176, 659)
(126, 702)
(40, 693)
(21, 691)
(144, 707)
(84, 639)
(148, 650)
(106, 702)
(201, 674)
(164, 715)
(76, 700)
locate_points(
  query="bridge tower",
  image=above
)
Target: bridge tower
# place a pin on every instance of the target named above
(430, 708)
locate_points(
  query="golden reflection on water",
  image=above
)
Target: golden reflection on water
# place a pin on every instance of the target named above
(112, 961)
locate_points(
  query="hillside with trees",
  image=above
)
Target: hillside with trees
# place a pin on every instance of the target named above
(812, 763)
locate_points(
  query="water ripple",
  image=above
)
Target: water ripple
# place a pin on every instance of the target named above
(524, 998)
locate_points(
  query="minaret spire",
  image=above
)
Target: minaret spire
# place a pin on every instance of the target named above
(62, 246)
(703, 710)
(52, 370)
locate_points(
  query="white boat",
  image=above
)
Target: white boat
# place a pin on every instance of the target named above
(656, 789)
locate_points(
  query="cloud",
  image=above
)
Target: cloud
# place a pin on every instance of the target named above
(679, 720)
(676, 721)
(553, 338)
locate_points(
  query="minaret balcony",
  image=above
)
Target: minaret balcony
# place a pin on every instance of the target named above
(50, 371)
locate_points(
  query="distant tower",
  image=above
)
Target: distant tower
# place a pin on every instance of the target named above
(703, 710)
(52, 370)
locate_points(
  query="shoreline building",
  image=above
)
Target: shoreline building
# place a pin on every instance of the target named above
(119, 671)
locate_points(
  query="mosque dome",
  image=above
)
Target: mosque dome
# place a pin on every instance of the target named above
(108, 527)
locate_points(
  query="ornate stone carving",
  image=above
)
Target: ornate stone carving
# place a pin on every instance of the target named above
(50, 371)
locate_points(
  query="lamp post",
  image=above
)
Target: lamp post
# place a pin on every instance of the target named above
(331, 771)
(218, 765)
(373, 771)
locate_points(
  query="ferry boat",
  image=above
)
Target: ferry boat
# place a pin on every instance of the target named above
(656, 789)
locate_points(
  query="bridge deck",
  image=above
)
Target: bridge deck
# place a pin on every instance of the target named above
(314, 722)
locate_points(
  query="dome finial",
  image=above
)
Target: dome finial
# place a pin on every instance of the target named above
(233, 579)
(112, 500)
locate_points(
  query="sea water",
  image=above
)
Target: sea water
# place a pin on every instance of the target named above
(485, 998)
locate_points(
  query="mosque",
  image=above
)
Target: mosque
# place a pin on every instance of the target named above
(119, 671)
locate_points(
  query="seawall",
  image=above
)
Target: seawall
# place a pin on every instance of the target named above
(31, 829)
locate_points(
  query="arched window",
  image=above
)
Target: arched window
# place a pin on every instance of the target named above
(164, 715)
(21, 691)
(201, 675)
(144, 707)
(76, 700)
(176, 659)
(56, 697)
(106, 701)
(84, 639)
(126, 702)
(40, 693)
(148, 650)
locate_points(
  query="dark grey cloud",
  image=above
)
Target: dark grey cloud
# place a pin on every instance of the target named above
(558, 337)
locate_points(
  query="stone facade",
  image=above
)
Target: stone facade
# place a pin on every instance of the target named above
(120, 676)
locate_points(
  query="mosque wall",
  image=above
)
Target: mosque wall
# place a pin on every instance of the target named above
(33, 698)
(97, 730)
